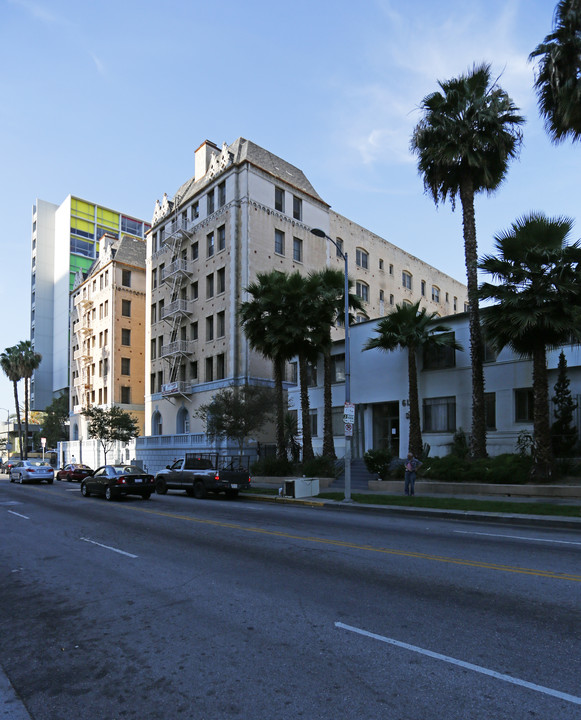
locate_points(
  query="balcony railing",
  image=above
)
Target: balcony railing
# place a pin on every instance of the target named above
(179, 387)
(177, 307)
(176, 268)
(178, 347)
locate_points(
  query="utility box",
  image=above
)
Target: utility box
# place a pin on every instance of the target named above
(301, 487)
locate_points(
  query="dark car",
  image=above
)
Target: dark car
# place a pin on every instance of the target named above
(32, 471)
(7, 465)
(74, 472)
(112, 481)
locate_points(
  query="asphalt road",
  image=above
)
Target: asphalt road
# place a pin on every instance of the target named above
(178, 608)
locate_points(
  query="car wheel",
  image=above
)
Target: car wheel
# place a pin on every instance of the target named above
(160, 487)
(199, 490)
(11, 479)
(84, 490)
(190, 492)
(20, 479)
(108, 494)
(49, 482)
(146, 496)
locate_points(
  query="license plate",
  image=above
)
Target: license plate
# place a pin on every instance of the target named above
(138, 480)
(234, 486)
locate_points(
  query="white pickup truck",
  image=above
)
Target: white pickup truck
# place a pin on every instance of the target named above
(201, 473)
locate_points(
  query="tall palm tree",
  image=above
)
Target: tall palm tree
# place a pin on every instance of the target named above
(29, 361)
(409, 328)
(558, 77)
(468, 133)
(10, 363)
(331, 301)
(537, 292)
(264, 320)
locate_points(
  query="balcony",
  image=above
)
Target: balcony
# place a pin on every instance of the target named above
(179, 387)
(178, 347)
(175, 230)
(177, 269)
(82, 356)
(178, 308)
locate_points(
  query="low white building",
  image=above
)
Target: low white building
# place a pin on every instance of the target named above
(379, 390)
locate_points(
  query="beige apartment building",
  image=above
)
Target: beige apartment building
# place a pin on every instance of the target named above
(246, 211)
(108, 333)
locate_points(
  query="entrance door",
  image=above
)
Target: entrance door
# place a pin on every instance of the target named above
(386, 427)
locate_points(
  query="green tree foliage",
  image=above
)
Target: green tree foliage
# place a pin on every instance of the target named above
(563, 430)
(111, 425)
(10, 363)
(411, 329)
(237, 413)
(54, 426)
(29, 361)
(537, 292)
(467, 135)
(558, 77)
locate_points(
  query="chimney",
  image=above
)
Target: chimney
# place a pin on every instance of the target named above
(203, 156)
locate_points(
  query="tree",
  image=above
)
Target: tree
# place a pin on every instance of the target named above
(109, 426)
(558, 77)
(238, 412)
(563, 432)
(537, 305)
(411, 329)
(330, 286)
(464, 141)
(10, 363)
(29, 362)
(56, 416)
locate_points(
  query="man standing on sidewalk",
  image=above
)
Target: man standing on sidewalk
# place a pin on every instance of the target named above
(411, 466)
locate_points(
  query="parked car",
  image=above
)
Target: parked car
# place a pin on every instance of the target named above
(7, 465)
(32, 471)
(74, 472)
(115, 480)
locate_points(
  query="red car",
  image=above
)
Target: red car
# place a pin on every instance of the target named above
(74, 472)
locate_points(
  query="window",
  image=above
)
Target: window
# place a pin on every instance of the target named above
(279, 199)
(221, 281)
(523, 405)
(209, 369)
(337, 421)
(391, 299)
(125, 336)
(221, 324)
(435, 294)
(194, 251)
(311, 374)
(222, 194)
(210, 328)
(210, 244)
(362, 291)
(338, 368)
(210, 285)
(423, 288)
(380, 264)
(125, 308)
(438, 358)
(195, 210)
(391, 269)
(339, 248)
(132, 227)
(210, 202)
(489, 354)
(125, 395)
(194, 290)
(125, 366)
(381, 296)
(279, 242)
(126, 278)
(490, 410)
(220, 366)
(292, 373)
(194, 370)
(194, 331)
(297, 250)
(153, 349)
(297, 208)
(362, 258)
(406, 280)
(221, 237)
(313, 422)
(455, 303)
(154, 278)
(440, 414)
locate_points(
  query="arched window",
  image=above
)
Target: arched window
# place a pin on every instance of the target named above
(182, 421)
(362, 291)
(435, 293)
(156, 423)
(75, 432)
(406, 279)
(362, 258)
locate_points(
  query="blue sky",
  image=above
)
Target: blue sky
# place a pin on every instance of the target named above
(109, 100)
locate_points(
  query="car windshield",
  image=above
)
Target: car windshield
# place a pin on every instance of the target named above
(127, 470)
(39, 463)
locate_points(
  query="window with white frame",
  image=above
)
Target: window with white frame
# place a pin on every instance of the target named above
(279, 242)
(523, 405)
(338, 368)
(439, 414)
(362, 291)
(297, 249)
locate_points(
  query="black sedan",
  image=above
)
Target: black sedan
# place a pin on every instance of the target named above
(74, 472)
(112, 481)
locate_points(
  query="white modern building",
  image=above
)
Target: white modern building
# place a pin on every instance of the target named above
(379, 390)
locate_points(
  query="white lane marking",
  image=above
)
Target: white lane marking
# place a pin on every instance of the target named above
(107, 547)
(518, 537)
(469, 666)
(72, 489)
(18, 514)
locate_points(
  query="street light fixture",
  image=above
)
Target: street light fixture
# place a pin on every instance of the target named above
(348, 407)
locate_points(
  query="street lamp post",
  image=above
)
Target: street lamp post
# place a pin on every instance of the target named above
(348, 429)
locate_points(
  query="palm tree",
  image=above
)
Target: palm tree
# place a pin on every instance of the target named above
(10, 363)
(538, 305)
(464, 141)
(411, 329)
(264, 320)
(331, 301)
(29, 361)
(558, 78)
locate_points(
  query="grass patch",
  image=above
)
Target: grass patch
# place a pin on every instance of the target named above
(448, 503)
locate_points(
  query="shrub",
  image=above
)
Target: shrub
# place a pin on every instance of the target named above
(271, 467)
(319, 466)
(378, 462)
(502, 469)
